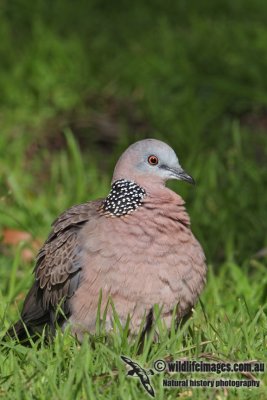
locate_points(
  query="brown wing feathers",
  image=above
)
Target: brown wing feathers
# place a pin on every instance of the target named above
(56, 272)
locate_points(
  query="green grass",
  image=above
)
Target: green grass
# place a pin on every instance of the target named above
(231, 326)
(190, 73)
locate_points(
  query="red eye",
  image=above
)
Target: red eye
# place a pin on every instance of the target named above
(153, 160)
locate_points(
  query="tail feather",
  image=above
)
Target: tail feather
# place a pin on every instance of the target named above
(18, 331)
(33, 318)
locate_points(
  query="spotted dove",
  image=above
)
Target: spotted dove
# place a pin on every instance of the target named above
(135, 247)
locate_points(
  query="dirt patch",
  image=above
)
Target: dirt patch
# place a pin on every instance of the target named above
(98, 124)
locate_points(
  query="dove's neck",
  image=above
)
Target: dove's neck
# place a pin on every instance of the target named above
(125, 196)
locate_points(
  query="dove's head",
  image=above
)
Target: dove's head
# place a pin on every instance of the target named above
(151, 161)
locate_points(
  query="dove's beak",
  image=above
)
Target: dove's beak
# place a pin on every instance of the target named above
(184, 176)
(179, 173)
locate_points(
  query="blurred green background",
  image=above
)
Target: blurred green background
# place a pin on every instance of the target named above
(79, 82)
(188, 72)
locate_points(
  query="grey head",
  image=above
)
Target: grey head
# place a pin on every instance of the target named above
(150, 160)
(143, 167)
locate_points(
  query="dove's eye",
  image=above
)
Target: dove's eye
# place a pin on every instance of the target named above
(153, 160)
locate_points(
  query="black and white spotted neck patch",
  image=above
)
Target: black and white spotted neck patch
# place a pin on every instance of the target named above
(124, 197)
